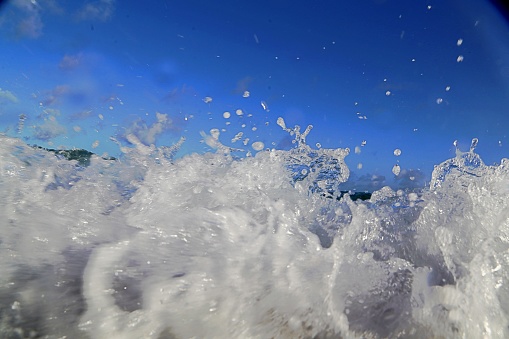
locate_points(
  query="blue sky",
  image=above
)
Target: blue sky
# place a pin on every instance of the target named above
(371, 75)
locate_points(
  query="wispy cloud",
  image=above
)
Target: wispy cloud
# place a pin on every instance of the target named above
(28, 22)
(70, 62)
(7, 96)
(148, 133)
(55, 95)
(54, 7)
(30, 27)
(49, 129)
(81, 115)
(24, 18)
(97, 10)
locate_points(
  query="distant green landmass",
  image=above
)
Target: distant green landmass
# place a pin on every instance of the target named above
(353, 195)
(356, 195)
(80, 155)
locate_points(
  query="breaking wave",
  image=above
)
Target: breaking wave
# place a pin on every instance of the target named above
(212, 246)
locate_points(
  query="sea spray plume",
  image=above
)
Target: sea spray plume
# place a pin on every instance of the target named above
(141, 151)
(322, 170)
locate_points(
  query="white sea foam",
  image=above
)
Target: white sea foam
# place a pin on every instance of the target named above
(207, 246)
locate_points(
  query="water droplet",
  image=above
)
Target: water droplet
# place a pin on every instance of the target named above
(397, 152)
(207, 100)
(460, 58)
(459, 42)
(257, 145)
(246, 94)
(226, 115)
(215, 133)
(239, 112)
(388, 93)
(281, 122)
(396, 169)
(237, 137)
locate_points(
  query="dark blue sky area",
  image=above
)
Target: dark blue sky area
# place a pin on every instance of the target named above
(372, 74)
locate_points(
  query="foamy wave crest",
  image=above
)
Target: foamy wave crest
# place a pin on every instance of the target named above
(209, 246)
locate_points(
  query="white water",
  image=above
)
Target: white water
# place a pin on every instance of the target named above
(210, 247)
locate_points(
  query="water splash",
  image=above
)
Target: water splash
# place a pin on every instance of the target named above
(300, 138)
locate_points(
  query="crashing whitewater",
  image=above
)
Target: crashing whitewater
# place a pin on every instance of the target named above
(210, 246)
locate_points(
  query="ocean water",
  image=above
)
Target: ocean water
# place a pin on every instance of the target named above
(215, 246)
